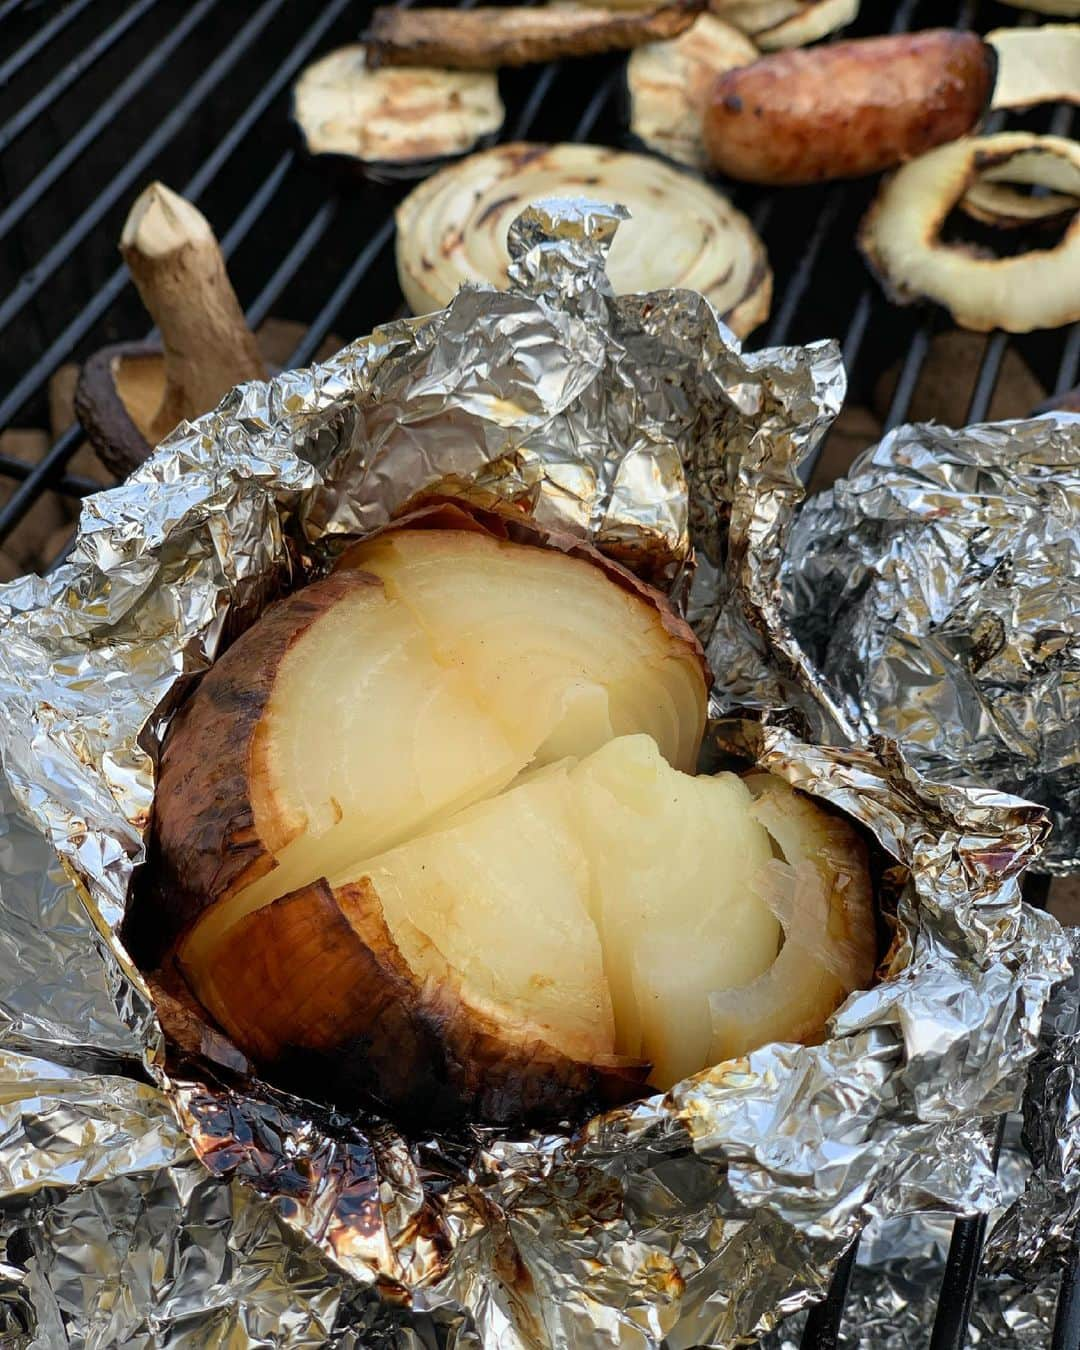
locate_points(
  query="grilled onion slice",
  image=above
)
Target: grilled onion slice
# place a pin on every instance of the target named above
(1066, 9)
(774, 24)
(489, 38)
(900, 238)
(1036, 65)
(391, 118)
(668, 84)
(682, 232)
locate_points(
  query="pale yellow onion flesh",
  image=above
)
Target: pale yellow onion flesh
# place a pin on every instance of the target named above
(393, 115)
(1036, 65)
(669, 83)
(817, 20)
(599, 666)
(673, 864)
(900, 236)
(994, 197)
(408, 701)
(819, 892)
(501, 895)
(775, 24)
(451, 229)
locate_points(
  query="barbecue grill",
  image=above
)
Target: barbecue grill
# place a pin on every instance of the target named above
(98, 98)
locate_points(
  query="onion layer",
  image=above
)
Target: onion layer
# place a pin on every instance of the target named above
(669, 84)
(682, 232)
(1036, 65)
(900, 238)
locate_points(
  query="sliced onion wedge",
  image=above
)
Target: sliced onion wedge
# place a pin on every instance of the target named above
(1036, 65)
(900, 238)
(669, 82)
(392, 117)
(682, 232)
(820, 894)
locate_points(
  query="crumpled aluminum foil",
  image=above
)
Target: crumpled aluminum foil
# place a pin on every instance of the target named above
(150, 1204)
(937, 588)
(1040, 1231)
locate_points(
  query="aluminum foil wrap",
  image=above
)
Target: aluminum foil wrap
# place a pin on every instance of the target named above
(937, 587)
(152, 1200)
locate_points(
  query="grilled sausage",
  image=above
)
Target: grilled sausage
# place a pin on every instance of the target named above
(847, 109)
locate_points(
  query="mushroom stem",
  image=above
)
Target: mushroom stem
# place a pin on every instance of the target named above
(180, 273)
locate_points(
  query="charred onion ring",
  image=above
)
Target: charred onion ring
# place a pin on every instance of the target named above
(900, 238)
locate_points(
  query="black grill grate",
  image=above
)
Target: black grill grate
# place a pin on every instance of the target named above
(96, 99)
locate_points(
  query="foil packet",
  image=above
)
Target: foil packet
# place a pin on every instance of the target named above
(937, 590)
(151, 1201)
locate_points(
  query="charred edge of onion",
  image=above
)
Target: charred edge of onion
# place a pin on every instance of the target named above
(372, 1031)
(983, 153)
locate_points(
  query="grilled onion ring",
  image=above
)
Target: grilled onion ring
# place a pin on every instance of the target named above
(900, 239)
(682, 232)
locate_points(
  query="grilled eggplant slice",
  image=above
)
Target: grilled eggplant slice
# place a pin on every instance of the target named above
(393, 123)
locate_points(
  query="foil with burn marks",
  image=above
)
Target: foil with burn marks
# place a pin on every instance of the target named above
(153, 1196)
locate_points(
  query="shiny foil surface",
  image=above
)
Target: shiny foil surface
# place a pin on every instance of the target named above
(937, 588)
(153, 1200)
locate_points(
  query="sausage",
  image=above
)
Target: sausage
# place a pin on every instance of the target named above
(847, 109)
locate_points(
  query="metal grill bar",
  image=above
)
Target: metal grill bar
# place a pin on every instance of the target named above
(40, 40)
(62, 162)
(60, 83)
(98, 303)
(165, 131)
(822, 1330)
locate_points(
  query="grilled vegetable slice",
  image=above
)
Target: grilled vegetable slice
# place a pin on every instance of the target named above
(452, 228)
(1066, 8)
(1037, 65)
(900, 238)
(389, 117)
(488, 38)
(774, 24)
(669, 83)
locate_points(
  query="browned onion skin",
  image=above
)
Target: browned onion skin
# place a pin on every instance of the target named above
(849, 108)
(318, 998)
(205, 842)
